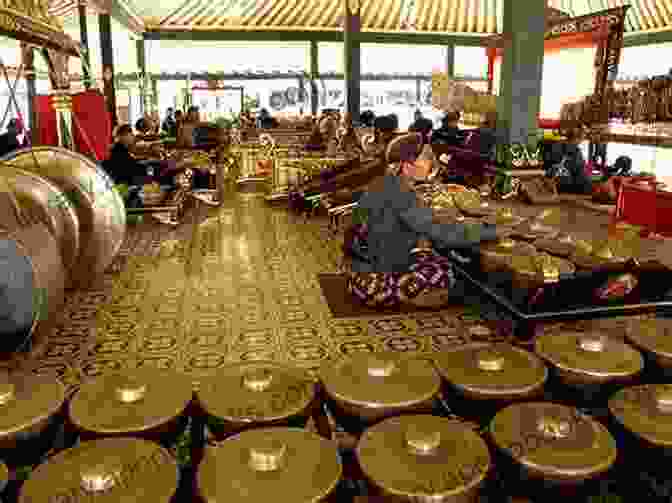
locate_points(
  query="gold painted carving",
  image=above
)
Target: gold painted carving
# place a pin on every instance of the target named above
(36, 10)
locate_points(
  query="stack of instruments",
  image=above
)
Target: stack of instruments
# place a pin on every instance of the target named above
(484, 419)
(62, 227)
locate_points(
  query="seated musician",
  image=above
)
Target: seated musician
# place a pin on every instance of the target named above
(449, 133)
(122, 166)
(393, 261)
(126, 168)
(472, 155)
(384, 130)
(316, 142)
(366, 118)
(349, 143)
(329, 130)
(342, 188)
(187, 139)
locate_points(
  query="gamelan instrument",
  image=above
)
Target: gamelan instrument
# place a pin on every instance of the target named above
(62, 226)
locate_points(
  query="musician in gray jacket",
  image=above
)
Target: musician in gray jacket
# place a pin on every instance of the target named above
(394, 261)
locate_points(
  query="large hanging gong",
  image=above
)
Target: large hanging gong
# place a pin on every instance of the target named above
(41, 199)
(32, 276)
(101, 212)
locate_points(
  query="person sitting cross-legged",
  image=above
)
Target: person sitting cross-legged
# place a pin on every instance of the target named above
(392, 253)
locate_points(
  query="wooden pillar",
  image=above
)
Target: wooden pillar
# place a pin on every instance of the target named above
(351, 57)
(107, 55)
(418, 93)
(520, 87)
(28, 60)
(84, 41)
(142, 69)
(491, 52)
(314, 77)
(450, 61)
(155, 94)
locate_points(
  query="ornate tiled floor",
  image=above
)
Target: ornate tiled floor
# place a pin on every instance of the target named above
(232, 283)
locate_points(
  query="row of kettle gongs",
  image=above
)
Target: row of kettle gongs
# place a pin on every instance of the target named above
(140, 393)
(364, 387)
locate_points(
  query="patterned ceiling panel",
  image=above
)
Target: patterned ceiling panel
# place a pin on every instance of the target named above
(63, 9)
(439, 16)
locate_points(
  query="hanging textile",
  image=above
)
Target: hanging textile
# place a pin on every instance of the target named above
(45, 131)
(91, 124)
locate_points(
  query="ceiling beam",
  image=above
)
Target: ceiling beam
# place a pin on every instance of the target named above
(121, 13)
(366, 37)
(204, 76)
(647, 38)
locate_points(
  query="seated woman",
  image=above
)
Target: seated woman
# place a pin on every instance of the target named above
(392, 258)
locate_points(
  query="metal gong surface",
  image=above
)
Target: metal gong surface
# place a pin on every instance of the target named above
(27, 399)
(130, 402)
(553, 440)
(423, 457)
(492, 371)
(107, 471)
(101, 211)
(651, 335)
(589, 354)
(380, 381)
(270, 464)
(4, 476)
(646, 411)
(257, 392)
(32, 283)
(44, 201)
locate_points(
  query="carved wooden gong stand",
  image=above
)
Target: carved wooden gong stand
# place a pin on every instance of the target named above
(29, 22)
(611, 23)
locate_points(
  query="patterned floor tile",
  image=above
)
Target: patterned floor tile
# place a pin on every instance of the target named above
(238, 283)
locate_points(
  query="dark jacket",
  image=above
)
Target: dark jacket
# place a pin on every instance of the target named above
(122, 166)
(395, 223)
(448, 136)
(169, 126)
(8, 143)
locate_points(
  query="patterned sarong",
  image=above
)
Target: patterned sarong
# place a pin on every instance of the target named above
(390, 289)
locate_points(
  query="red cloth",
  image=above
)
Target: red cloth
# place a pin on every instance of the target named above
(46, 131)
(91, 124)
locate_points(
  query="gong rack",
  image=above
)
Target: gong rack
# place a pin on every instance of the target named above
(324, 418)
